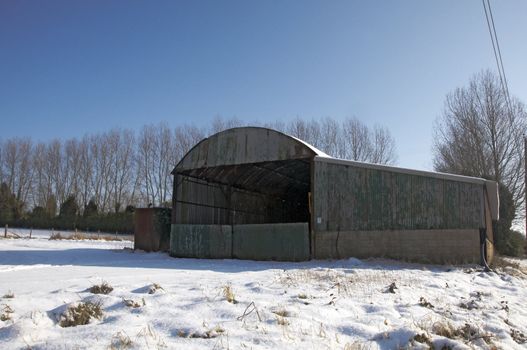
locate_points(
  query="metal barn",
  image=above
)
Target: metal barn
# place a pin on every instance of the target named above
(256, 193)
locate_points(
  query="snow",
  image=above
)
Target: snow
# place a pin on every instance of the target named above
(345, 304)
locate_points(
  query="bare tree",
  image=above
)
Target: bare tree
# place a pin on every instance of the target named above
(383, 146)
(122, 147)
(86, 171)
(186, 137)
(331, 140)
(41, 190)
(16, 168)
(480, 134)
(156, 157)
(220, 124)
(358, 140)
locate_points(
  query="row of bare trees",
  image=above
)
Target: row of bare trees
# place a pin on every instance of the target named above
(122, 167)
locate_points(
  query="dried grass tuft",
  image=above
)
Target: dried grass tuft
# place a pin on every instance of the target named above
(208, 334)
(103, 288)
(425, 303)
(467, 332)
(5, 315)
(357, 345)
(518, 336)
(120, 341)
(79, 236)
(9, 295)
(282, 313)
(154, 287)
(132, 303)
(423, 338)
(81, 314)
(228, 293)
(282, 321)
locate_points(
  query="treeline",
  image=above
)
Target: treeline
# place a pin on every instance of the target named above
(94, 182)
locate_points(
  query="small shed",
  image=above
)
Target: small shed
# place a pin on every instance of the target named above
(152, 229)
(256, 193)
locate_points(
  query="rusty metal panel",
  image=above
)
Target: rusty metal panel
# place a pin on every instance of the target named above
(152, 229)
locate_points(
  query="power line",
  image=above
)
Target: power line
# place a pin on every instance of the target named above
(497, 53)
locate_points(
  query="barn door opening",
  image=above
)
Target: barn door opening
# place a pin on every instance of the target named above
(266, 204)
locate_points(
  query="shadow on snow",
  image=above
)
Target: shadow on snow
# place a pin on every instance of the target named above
(126, 258)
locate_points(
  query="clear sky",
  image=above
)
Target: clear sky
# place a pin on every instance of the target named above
(73, 67)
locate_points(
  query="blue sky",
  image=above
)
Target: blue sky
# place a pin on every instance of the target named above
(75, 67)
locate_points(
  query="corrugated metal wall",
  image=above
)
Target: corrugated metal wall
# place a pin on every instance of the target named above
(283, 241)
(351, 198)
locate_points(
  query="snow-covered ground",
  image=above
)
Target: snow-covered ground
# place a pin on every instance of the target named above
(344, 304)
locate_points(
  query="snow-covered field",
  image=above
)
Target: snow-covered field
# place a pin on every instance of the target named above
(344, 304)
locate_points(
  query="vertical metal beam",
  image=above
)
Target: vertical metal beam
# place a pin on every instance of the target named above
(174, 198)
(312, 213)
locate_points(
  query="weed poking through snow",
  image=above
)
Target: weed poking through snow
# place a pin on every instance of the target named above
(208, 334)
(5, 315)
(518, 336)
(423, 339)
(282, 321)
(8, 295)
(103, 288)
(467, 332)
(228, 293)
(154, 287)
(469, 305)
(357, 345)
(425, 303)
(132, 303)
(80, 314)
(281, 312)
(391, 288)
(120, 341)
(79, 236)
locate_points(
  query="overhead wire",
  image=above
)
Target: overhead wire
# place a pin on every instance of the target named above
(497, 53)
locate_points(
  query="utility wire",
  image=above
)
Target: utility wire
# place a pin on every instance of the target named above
(497, 53)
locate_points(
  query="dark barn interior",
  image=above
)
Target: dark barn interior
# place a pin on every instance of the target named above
(257, 193)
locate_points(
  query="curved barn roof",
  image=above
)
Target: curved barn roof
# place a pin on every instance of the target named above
(261, 158)
(246, 145)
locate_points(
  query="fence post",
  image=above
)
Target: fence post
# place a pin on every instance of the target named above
(5, 231)
(30, 232)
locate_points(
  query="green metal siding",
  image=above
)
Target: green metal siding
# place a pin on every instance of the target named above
(286, 242)
(201, 241)
(353, 198)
